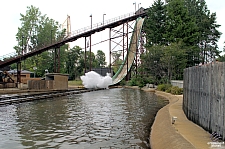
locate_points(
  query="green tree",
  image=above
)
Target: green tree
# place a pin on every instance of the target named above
(117, 61)
(74, 63)
(164, 63)
(36, 31)
(154, 24)
(174, 61)
(90, 59)
(179, 34)
(208, 33)
(152, 65)
(100, 58)
(221, 58)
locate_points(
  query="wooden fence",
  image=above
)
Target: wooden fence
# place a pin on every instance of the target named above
(204, 98)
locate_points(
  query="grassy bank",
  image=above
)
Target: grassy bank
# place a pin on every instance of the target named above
(75, 83)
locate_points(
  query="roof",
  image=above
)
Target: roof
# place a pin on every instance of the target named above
(22, 71)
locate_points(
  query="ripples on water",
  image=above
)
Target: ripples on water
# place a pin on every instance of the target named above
(115, 118)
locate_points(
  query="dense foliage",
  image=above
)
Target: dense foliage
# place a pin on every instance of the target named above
(179, 34)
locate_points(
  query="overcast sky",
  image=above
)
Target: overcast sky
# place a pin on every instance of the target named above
(79, 12)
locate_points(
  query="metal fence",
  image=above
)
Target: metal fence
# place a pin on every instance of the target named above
(204, 98)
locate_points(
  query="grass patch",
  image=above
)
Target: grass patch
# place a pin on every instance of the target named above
(75, 82)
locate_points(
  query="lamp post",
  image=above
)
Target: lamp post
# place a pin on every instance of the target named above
(35, 68)
(103, 18)
(91, 20)
(138, 5)
(90, 44)
(135, 6)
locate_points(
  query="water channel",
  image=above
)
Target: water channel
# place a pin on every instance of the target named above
(115, 118)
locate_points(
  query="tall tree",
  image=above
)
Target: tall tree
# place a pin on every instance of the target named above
(36, 31)
(154, 24)
(181, 27)
(100, 58)
(74, 63)
(208, 33)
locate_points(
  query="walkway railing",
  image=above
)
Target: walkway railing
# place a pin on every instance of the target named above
(72, 34)
(100, 24)
(12, 54)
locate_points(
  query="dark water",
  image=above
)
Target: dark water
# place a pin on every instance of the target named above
(115, 118)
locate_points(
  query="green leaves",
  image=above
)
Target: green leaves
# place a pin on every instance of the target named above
(36, 31)
(100, 59)
(179, 34)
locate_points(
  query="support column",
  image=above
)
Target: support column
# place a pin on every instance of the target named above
(90, 54)
(18, 72)
(136, 30)
(57, 60)
(85, 52)
(127, 77)
(123, 42)
(110, 52)
(58, 69)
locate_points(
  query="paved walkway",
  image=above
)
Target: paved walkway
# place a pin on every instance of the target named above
(184, 134)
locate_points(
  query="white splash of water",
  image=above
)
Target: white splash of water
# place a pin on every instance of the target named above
(94, 80)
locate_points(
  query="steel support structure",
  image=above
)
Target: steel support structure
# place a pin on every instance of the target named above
(87, 45)
(18, 72)
(118, 46)
(90, 54)
(139, 50)
(57, 60)
(110, 52)
(85, 53)
(128, 75)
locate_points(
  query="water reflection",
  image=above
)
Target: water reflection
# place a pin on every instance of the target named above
(116, 118)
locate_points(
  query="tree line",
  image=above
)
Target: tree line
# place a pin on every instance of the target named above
(178, 34)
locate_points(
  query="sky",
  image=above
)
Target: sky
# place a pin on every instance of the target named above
(79, 12)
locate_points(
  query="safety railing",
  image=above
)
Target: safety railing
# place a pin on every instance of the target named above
(74, 33)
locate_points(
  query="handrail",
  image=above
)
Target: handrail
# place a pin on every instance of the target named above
(72, 34)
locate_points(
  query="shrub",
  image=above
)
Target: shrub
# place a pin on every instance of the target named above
(163, 87)
(132, 82)
(137, 82)
(168, 90)
(175, 90)
(123, 82)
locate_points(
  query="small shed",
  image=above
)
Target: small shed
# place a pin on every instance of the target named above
(52, 81)
(25, 75)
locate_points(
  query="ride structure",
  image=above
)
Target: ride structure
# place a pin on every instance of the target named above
(131, 53)
(131, 49)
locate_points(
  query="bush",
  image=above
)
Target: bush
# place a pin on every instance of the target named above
(123, 82)
(137, 82)
(132, 82)
(164, 87)
(175, 90)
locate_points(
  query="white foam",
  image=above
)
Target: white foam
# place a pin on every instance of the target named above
(94, 80)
